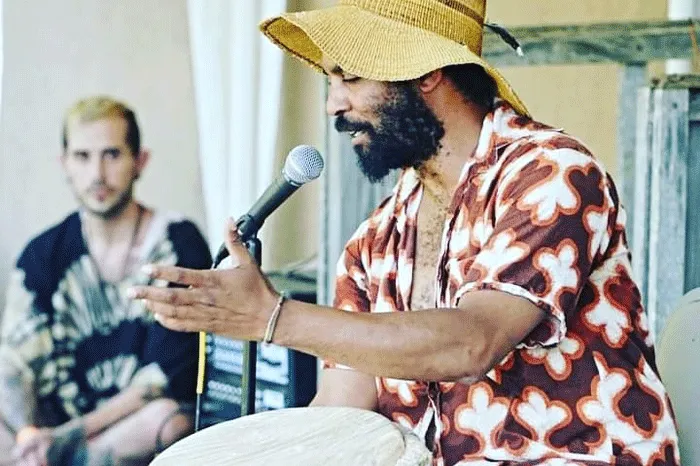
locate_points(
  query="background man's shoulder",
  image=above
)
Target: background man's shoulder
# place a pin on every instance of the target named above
(46, 246)
(188, 240)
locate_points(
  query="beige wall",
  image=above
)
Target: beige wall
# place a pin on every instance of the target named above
(581, 99)
(58, 51)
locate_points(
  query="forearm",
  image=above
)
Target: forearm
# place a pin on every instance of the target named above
(444, 344)
(117, 408)
(17, 402)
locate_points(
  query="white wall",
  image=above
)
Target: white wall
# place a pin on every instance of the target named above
(58, 51)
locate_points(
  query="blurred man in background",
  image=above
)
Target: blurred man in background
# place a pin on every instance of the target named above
(86, 375)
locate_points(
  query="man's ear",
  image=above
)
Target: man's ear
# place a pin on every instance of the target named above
(61, 159)
(142, 159)
(430, 81)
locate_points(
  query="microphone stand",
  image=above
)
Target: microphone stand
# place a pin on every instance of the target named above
(250, 348)
(247, 229)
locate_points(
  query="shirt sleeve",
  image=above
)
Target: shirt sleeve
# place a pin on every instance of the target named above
(554, 210)
(351, 285)
(25, 338)
(176, 353)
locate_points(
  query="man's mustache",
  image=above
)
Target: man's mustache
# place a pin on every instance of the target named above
(343, 125)
(95, 186)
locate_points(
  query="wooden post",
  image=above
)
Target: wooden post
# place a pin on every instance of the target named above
(632, 78)
(638, 222)
(692, 239)
(667, 196)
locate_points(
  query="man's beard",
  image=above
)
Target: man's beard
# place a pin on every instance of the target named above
(408, 133)
(117, 206)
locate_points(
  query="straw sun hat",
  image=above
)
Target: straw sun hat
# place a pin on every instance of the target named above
(390, 40)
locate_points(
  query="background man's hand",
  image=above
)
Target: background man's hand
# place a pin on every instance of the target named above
(32, 446)
(44, 447)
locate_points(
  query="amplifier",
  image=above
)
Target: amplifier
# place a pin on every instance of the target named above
(284, 378)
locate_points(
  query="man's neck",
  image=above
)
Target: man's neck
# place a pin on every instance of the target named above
(463, 125)
(113, 230)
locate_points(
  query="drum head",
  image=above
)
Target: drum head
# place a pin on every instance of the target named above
(301, 436)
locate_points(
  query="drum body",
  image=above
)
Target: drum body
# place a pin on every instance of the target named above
(301, 436)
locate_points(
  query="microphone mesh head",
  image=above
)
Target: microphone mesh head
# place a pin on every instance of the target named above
(304, 163)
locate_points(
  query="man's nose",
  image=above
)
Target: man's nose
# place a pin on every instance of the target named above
(337, 102)
(97, 167)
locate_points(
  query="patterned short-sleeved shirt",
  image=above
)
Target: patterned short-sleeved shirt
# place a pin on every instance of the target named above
(535, 216)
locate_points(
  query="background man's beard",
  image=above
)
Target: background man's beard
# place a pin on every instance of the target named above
(115, 209)
(408, 134)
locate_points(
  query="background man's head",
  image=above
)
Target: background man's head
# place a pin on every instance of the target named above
(102, 155)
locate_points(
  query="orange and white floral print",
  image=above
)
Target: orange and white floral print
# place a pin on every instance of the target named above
(558, 360)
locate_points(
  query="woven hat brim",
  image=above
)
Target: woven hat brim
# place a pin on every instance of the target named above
(374, 47)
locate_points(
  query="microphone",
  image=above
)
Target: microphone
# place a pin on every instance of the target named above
(303, 164)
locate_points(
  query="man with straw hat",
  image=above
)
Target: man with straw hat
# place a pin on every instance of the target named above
(532, 345)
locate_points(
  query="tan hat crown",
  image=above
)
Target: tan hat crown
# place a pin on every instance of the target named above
(459, 20)
(391, 40)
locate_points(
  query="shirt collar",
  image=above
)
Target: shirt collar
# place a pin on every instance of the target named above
(501, 127)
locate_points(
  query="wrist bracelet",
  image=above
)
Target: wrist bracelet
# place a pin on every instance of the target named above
(272, 323)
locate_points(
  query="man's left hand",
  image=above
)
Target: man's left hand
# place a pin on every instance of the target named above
(48, 446)
(236, 301)
(31, 450)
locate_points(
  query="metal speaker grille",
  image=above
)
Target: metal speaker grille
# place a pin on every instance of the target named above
(304, 163)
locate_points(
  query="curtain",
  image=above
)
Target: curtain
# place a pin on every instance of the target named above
(237, 76)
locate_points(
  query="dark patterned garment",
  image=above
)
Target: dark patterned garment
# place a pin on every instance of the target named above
(80, 339)
(535, 216)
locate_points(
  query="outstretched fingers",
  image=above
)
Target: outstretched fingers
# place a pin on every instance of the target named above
(175, 296)
(182, 276)
(184, 312)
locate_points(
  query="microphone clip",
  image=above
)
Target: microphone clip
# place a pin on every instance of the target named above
(247, 229)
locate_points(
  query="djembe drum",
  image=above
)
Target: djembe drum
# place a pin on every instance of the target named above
(301, 437)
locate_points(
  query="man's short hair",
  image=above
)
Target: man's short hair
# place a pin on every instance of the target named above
(100, 107)
(474, 83)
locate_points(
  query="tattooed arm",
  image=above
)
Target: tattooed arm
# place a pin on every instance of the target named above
(21, 339)
(58, 444)
(17, 401)
(119, 407)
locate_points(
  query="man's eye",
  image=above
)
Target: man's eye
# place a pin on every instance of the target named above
(112, 153)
